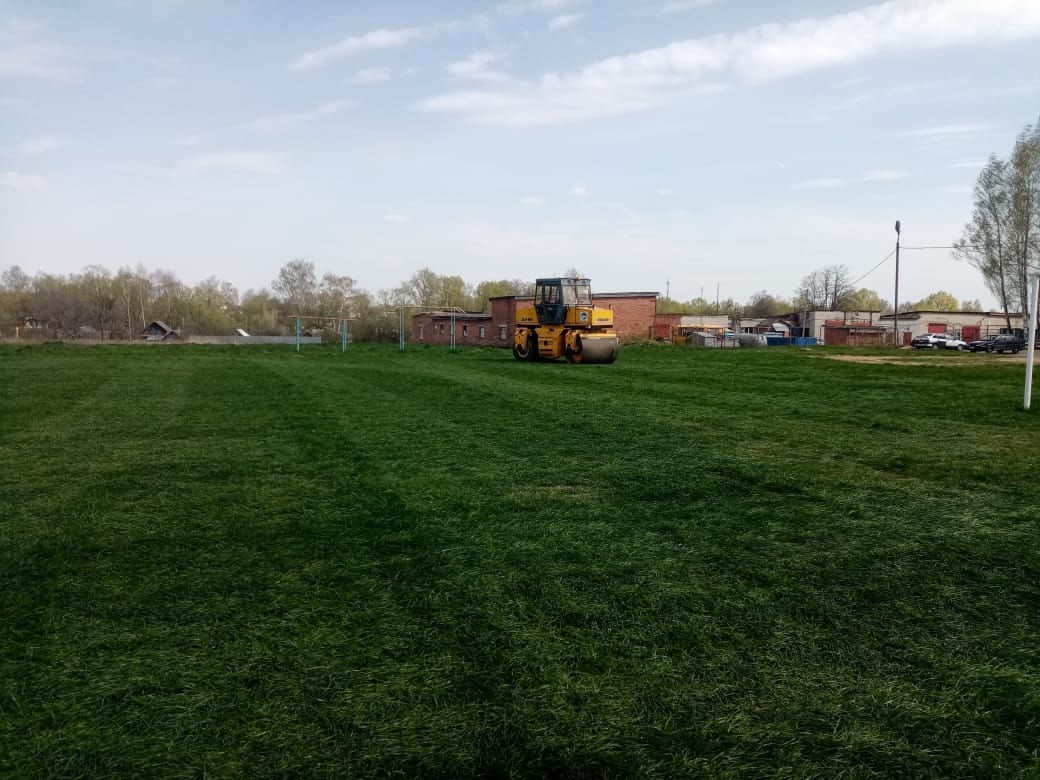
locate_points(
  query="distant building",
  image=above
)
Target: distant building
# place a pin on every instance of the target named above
(159, 331)
(471, 328)
(967, 325)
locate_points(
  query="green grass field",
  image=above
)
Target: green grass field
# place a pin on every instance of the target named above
(247, 562)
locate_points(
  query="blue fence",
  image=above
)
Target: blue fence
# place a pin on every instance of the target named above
(799, 341)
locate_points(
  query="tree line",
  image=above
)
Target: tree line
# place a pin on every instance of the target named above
(826, 289)
(97, 303)
(1001, 240)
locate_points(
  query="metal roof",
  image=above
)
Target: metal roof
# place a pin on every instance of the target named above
(595, 295)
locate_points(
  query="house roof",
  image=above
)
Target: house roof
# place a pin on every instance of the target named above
(916, 314)
(595, 296)
(162, 325)
(459, 315)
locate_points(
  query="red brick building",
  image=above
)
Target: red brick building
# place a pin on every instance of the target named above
(434, 327)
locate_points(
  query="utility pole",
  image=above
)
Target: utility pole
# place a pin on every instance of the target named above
(1031, 307)
(895, 316)
(667, 288)
(716, 297)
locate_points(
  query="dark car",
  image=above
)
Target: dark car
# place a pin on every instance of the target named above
(1004, 342)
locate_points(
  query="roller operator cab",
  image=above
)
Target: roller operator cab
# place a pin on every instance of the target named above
(563, 322)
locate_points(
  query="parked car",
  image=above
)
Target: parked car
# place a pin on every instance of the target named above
(930, 341)
(956, 343)
(1003, 342)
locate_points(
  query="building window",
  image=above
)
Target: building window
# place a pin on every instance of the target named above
(465, 330)
(442, 327)
(420, 332)
(501, 332)
(482, 331)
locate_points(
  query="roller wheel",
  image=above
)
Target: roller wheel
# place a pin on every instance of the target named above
(594, 351)
(528, 350)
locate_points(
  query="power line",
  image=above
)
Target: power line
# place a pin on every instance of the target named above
(963, 246)
(872, 270)
(957, 246)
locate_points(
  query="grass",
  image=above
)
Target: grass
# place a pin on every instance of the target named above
(243, 562)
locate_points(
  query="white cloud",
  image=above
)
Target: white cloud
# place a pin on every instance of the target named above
(655, 77)
(679, 6)
(475, 67)
(968, 164)
(665, 192)
(945, 131)
(883, 175)
(821, 184)
(34, 146)
(25, 182)
(371, 76)
(396, 219)
(536, 6)
(563, 21)
(376, 40)
(274, 122)
(532, 200)
(958, 189)
(579, 192)
(243, 162)
(832, 182)
(26, 54)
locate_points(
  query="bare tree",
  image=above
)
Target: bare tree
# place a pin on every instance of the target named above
(825, 289)
(1024, 170)
(1002, 240)
(135, 293)
(335, 296)
(763, 304)
(170, 296)
(423, 288)
(101, 295)
(297, 284)
(60, 305)
(984, 243)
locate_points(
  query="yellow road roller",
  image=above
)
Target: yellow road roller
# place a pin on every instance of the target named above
(564, 323)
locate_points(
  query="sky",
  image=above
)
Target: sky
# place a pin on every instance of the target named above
(682, 146)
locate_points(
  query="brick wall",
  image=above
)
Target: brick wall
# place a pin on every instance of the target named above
(503, 318)
(634, 315)
(435, 328)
